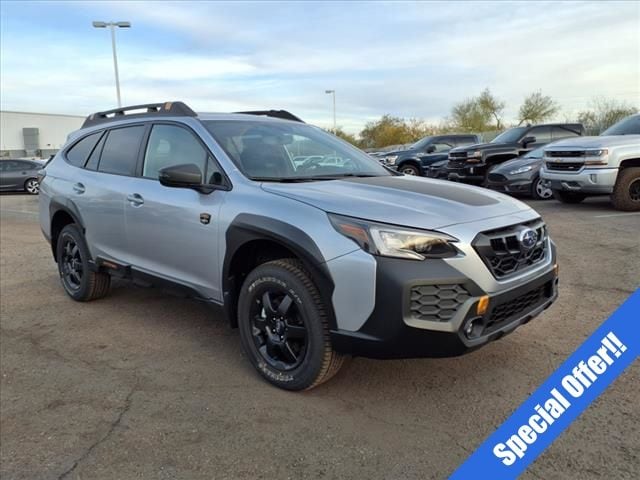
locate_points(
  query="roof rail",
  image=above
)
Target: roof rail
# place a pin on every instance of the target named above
(175, 109)
(283, 114)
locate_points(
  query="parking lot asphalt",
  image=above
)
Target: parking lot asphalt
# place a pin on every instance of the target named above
(145, 385)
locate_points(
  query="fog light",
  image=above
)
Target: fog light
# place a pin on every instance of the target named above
(473, 328)
(483, 305)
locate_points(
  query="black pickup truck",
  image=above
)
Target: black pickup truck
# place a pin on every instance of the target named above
(418, 157)
(471, 164)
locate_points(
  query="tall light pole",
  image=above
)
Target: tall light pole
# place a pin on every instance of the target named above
(112, 26)
(333, 92)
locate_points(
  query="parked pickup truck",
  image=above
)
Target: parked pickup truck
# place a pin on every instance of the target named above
(471, 164)
(605, 165)
(416, 159)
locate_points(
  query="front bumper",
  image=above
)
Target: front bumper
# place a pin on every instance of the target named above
(591, 181)
(517, 185)
(467, 174)
(394, 330)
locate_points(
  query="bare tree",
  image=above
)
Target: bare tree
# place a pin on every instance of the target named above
(537, 108)
(603, 113)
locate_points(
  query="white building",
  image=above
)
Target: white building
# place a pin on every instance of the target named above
(25, 134)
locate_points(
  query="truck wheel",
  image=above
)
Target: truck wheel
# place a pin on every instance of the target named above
(626, 192)
(409, 169)
(568, 197)
(78, 280)
(284, 328)
(539, 191)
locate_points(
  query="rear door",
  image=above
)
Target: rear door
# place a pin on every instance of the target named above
(100, 186)
(173, 232)
(8, 168)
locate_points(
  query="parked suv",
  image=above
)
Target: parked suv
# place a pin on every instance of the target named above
(312, 264)
(418, 157)
(472, 164)
(606, 165)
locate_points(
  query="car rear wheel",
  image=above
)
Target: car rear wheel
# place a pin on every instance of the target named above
(410, 170)
(32, 186)
(78, 280)
(568, 197)
(539, 191)
(284, 328)
(626, 192)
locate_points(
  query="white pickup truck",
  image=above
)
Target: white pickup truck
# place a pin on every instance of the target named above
(605, 165)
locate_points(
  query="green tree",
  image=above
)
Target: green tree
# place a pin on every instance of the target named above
(478, 114)
(339, 132)
(387, 131)
(537, 108)
(603, 113)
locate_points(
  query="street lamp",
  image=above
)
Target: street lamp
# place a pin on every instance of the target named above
(333, 92)
(112, 26)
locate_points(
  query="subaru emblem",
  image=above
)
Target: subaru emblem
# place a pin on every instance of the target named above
(528, 238)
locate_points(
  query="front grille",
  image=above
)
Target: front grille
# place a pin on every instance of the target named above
(456, 163)
(496, 177)
(457, 154)
(504, 253)
(437, 303)
(565, 166)
(504, 313)
(564, 154)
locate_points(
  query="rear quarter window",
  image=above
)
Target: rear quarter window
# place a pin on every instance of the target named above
(77, 155)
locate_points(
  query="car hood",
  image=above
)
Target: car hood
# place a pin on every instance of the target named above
(516, 163)
(400, 152)
(480, 146)
(401, 200)
(595, 142)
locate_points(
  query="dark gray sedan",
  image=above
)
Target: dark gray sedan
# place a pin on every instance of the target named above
(520, 176)
(20, 175)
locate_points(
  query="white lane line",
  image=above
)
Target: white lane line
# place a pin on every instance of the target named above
(616, 215)
(8, 210)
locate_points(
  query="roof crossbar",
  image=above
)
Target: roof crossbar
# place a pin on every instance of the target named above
(283, 114)
(174, 109)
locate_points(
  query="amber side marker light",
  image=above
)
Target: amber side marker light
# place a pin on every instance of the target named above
(556, 269)
(483, 305)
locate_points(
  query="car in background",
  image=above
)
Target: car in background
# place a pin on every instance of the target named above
(438, 170)
(418, 157)
(472, 164)
(608, 164)
(520, 176)
(20, 175)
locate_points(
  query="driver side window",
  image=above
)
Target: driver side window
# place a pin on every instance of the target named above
(171, 145)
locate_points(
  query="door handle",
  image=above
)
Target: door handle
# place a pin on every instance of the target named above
(135, 199)
(78, 188)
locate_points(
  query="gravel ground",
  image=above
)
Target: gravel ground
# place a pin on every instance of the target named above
(144, 385)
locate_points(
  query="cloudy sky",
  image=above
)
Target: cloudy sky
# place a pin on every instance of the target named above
(406, 59)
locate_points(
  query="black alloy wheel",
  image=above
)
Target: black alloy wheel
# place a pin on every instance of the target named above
(71, 264)
(278, 329)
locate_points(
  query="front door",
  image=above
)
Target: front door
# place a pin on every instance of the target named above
(173, 232)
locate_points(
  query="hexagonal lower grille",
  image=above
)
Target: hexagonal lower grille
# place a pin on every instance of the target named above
(437, 303)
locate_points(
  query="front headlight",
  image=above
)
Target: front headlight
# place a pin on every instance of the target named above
(596, 158)
(391, 159)
(397, 242)
(474, 154)
(527, 168)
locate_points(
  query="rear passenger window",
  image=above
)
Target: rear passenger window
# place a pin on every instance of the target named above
(170, 145)
(79, 153)
(120, 151)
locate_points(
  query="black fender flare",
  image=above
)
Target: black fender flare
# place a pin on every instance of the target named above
(246, 228)
(59, 204)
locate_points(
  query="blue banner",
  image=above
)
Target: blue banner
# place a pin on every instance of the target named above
(557, 403)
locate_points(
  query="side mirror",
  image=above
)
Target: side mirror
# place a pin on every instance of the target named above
(431, 148)
(528, 140)
(183, 176)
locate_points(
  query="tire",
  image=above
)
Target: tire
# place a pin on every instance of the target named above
(284, 328)
(78, 280)
(626, 192)
(409, 169)
(568, 197)
(539, 192)
(31, 186)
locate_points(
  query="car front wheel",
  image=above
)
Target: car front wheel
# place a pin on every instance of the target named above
(410, 170)
(284, 328)
(626, 192)
(568, 197)
(539, 191)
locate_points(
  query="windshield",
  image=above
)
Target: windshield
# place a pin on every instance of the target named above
(287, 151)
(510, 136)
(537, 153)
(420, 143)
(626, 126)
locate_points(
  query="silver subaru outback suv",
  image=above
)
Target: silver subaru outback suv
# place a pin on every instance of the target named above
(314, 261)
